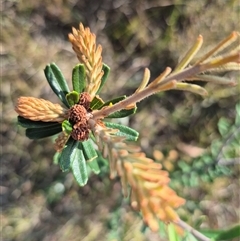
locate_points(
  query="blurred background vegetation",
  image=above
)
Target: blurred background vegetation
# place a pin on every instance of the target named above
(39, 202)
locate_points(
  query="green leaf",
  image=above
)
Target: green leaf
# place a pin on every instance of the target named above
(56, 158)
(96, 103)
(26, 123)
(57, 82)
(122, 113)
(67, 127)
(224, 126)
(38, 133)
(215, 147)
(90, 155)
(237, 119)
(106, 70)
(79, 168)
(228, 234)
(129, 133)
(79, 78)
(68, 154)
(194, 179)
(113, 101)
(72, 98)
(60, 78)
(172, 234)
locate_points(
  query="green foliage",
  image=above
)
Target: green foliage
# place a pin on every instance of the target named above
(124, 131)
(77, 155)
(79, 167)
(172, 234)
(227, 234)
(122, 113)
(57, 82)
(90, 155)
(67, 127)
(26, 123)
(78, 78)
(96, 103)
(38, 133)
(68, 155)
(216, 161)
(72, 98)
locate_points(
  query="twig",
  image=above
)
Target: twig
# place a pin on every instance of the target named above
(150, 90)
(191, 230)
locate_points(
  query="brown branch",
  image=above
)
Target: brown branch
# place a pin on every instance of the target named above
(148, 91)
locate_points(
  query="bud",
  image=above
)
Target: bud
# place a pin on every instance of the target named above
(36, 109)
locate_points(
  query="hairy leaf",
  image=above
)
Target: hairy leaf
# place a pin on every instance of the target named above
(78, 165)
(57, 82)
(67, 127)
(125, 131)
(79, 78)
(68, 154)
(72, 98)
(122, 113)
(96, 103)
(90, 155)
(113, 101)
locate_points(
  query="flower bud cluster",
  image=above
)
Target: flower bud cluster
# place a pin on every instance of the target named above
(36, 109)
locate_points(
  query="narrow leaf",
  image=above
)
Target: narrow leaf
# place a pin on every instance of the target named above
(165, 73)
(106, 70)
(26, 123)
(123, 113)
(79, 78)
(60, 78)
(79, 168)
(90, 155)
(72, 98)
(56, 158)
(192, 88)
(96, 103)
(67, 127)
(38, 133)
(68, 154)
(222, 45)
(229, 234)
(224, 126)
(237, 119)
(145, 80)
(57, 82)
(113, 101)
(213, 79)
(125, 131)
(88, 150)
(172, 234)
(190, 54)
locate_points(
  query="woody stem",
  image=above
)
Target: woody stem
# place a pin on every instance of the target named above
(148, 91)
